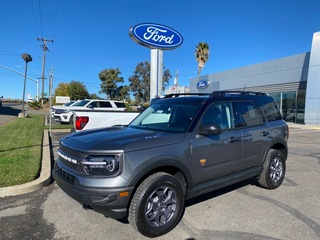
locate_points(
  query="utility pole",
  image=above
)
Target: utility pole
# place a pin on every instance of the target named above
(50, 100)
(45, 49)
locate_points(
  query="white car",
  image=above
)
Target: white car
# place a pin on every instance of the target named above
(64, 115)
(68, 104)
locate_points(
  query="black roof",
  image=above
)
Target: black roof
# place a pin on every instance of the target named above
(216, 96)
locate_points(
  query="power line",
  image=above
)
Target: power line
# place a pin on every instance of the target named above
(55, 19)
(9, 53)
(40, 15)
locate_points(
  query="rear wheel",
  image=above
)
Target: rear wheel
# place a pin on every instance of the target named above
(274, 169)
(157, 205)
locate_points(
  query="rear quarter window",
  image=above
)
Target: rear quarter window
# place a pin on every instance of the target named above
(120, 104)
(270, 111)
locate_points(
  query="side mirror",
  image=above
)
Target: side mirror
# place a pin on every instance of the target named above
(209, 129)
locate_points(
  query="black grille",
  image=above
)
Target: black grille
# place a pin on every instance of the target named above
(59, 111)
(66, 176)
(74, 155)
(68, 164)
(69, 151)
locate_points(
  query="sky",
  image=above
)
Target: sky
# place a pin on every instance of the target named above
(91, 36)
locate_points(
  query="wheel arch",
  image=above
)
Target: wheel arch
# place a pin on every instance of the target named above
(167, 165)
(282, 148)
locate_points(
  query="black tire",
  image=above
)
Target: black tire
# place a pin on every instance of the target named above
(274, 169)
(157, 205)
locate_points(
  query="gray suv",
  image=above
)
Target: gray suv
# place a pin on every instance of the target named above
(180, 147)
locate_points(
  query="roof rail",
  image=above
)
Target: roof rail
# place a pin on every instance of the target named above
(172, 95)
(221, 93)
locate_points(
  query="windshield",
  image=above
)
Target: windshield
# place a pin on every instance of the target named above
(81, 103)
(68, 104)
(167, 117)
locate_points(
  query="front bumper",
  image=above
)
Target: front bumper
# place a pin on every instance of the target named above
(106, 201)
(63, 118)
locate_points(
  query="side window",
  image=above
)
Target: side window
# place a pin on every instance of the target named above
(219, 113)
(105, 104)
(247, 114)
(120, 104)
(270, 110)
(93, 105)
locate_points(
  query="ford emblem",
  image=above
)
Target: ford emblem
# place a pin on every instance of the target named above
(202, 84)
(155, 36)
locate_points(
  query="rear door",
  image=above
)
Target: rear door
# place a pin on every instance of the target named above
(255, 133)
(217, 155)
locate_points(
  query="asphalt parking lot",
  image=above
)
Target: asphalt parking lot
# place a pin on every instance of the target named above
(242, 211)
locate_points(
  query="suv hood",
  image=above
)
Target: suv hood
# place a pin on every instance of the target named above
(119, 138)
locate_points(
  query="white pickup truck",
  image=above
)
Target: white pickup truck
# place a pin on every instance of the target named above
(89, 119)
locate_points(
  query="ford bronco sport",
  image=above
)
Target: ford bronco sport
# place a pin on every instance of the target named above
(180, 147)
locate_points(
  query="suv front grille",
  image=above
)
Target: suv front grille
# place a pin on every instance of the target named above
(68, 164)
(68, 151)
(71, 158)
(66, 176)
(58, 111)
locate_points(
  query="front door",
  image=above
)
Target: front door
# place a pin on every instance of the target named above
(217, 155)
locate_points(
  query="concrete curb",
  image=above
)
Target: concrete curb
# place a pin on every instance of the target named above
(42, 181)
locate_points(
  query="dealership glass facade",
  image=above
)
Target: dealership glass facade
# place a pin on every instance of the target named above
(293, 81)
(292, 105)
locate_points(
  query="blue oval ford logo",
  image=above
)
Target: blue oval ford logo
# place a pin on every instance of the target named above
(155, 36)
(202, 84)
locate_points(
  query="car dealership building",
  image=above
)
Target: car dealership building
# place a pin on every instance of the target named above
(293, 81)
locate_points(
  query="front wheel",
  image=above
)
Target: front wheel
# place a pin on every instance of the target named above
(157, 205)
(274, 169)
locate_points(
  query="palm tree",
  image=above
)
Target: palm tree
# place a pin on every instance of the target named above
(202, 55)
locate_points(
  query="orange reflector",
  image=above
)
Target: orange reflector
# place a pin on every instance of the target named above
(124, 194)
(203, 162)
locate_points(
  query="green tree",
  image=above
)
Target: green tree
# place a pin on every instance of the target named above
(140, 82)
(202, 55)
(94, 96)
(78, 91)
(166, 77)
(62, 90)
(109, 84)
(124, 92)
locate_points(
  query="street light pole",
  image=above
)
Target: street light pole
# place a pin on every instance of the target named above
(27, 58)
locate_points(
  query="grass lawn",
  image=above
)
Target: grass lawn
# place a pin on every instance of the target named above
(20, 149)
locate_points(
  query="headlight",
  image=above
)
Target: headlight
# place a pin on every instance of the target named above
(101, 165)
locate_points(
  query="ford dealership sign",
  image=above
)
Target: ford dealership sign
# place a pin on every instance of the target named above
(202, 84)
(156, 36)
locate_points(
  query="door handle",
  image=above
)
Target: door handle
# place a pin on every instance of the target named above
(264, 134)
